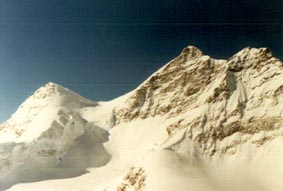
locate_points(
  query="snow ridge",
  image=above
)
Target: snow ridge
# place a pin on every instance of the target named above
(44, 103)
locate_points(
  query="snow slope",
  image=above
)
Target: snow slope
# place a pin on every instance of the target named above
(47, 138)
(196, 124)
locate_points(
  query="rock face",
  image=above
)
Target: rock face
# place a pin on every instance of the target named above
(134, 180)
(194, 117)
(213, 99)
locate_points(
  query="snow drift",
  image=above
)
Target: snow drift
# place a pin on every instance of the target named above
(196, 124)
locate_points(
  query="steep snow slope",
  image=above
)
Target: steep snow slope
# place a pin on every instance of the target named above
(196, 124)
(47, 138)
(37, 113)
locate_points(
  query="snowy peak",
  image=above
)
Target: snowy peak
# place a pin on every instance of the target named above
(48, 132)
(175, 86)
(43, 105)
(212, 99)
(56, 94)
(52, 90)
(184, 80)
(47, 90)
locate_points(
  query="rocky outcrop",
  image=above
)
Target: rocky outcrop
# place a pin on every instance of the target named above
(212, 99)
(177, 83)
(134, 180)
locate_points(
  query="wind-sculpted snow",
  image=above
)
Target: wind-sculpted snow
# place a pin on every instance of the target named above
(196, 124)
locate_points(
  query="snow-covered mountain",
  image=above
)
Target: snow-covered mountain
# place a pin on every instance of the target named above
(47, 138)
(196, 124)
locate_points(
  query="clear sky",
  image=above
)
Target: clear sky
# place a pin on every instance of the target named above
(102, 49)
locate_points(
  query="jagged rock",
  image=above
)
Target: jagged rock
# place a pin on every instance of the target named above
(134, 180)
(229, 90)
